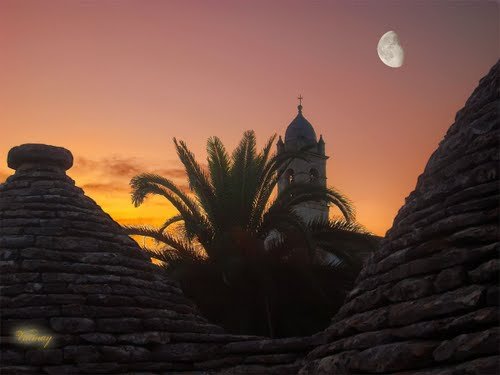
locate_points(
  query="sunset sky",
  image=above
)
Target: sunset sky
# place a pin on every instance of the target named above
(115, 81)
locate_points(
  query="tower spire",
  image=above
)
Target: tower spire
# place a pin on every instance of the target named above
(300, 103)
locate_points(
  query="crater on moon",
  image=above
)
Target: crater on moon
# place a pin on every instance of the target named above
(390, 50)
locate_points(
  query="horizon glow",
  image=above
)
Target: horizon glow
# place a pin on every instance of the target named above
(114, 82)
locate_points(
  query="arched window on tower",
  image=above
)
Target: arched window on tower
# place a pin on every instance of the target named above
(290, 176)
(313, 175)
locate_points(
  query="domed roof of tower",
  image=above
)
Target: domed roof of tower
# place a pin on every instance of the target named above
(300, 129)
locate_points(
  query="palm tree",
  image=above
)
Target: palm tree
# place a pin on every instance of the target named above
(223, 224)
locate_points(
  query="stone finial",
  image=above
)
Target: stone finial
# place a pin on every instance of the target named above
(39, 155)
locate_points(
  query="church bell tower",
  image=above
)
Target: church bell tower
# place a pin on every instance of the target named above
(300, 133)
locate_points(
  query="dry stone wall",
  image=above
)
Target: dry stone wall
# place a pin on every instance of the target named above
(427, 301)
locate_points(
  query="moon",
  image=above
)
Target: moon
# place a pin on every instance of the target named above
(390, 51)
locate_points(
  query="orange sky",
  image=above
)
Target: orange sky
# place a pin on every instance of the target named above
(114, 81)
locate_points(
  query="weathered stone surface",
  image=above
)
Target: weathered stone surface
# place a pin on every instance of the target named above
(210, 337)
(258, 370)
(19, 370)
(481, 366)
(426, 301)
(12, 356)
(62, 369)
(30, 312)
(125, 353)
(274, 346)
(180, 326)
(393, 357)
(99, 367)
(450, 278)
(439, 327)
(81, 353)
(410, 289)
(44, 356)
(493, 295)
(109, 300)
(487, 271)
(119, 325)
(469, 345)
(454, 301)
(145, 338)
(450, 257)
(185, 352)
(367, 321)
(39, 155)
(333, 364)
(99, 338)
(72, 325)
(368, 300)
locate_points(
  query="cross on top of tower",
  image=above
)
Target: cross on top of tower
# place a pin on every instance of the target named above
(300, 103)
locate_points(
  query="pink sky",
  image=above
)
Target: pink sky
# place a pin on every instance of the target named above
(114, 81)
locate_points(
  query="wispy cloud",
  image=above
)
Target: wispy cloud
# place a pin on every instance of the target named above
(118, 188)
(112, 175)
(124, 167)
(105, 188)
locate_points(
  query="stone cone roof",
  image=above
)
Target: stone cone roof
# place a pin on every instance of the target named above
(427, 301)
(70, 271)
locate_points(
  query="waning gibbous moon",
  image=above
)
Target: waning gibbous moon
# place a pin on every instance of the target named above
(390, 51)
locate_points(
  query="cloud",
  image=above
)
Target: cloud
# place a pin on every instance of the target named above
(171, 173)
(106, 188)
(123, 167)
(112, 175)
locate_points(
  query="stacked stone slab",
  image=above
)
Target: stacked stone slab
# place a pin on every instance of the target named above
(70, 271)
(427, 301)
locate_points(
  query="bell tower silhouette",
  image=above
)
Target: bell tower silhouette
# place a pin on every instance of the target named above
(301, 133)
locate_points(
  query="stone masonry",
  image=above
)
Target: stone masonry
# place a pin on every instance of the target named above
(427, 301)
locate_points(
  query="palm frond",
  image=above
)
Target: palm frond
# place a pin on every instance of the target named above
(348, 241)
(154, 233)
(287, 223)
(327, 226)
(263, 156)
(198, 180)
(269, 175)
(243, 177)
(297, 193)
(219, 164)
(145, 179)
(143, 185)
(170, 221)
